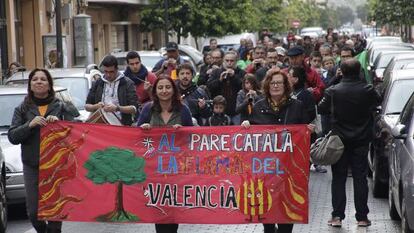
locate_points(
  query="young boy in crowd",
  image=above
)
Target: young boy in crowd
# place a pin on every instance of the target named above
(328, 64)
(219, 117)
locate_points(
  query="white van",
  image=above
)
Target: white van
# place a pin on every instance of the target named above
(230, 41)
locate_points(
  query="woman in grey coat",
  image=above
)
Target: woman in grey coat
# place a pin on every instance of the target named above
(39, 108)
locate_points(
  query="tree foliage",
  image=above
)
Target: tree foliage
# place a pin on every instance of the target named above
(392, 11)
(220, 17)
(200, 18)
(345, 14)
(362, 12)
(114, 165)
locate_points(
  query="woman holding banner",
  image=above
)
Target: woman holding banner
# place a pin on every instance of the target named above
(39, 108)
(166, 110)
(278, 107)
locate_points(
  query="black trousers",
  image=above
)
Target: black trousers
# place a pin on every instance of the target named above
(281, 228)
(166, 228)
(355, 156)
(31, 183)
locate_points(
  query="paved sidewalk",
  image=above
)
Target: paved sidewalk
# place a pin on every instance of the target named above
(320, 208)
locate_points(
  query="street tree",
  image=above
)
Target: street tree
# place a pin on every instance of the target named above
(198, 18)
(345, 14)
(362, 12)
(116, 166)
(307, 13)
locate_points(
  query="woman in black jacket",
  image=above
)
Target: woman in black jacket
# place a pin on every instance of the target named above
(39, 108)
(278, 107)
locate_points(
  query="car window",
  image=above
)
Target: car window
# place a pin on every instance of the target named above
(150, 61)
(384, 60)
(8, 103)
(399, 93)
(407, 112)
(77, 88)
(408, 66)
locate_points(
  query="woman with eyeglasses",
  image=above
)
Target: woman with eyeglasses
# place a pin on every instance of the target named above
(278, 107)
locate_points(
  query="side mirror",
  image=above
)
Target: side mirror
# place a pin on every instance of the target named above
(399, 131)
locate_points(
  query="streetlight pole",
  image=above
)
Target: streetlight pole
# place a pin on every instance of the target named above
(3, 39)
(167, 21)
(59, 50)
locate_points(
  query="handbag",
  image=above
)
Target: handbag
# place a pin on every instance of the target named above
(328, 149)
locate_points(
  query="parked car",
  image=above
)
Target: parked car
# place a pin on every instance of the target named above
(76, 80)
(396, 94)
(228, 42)
(10, 97)
(148, 59)
(3, 199)
(399, 62)
(195, 56)
(383, 40)
(313, 32)
(381, 62)
(373, 52)
(401, 169)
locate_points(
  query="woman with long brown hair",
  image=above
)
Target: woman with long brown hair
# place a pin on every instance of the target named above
(278, 107)
(166, 110)
(39, 108)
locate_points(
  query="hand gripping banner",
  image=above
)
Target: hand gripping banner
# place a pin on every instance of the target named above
(205, 175)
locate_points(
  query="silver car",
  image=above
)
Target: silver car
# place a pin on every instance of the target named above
(401, 169)
(77, 81)
(148, 59)
(10, 98)
(3, 199)
(397, 90)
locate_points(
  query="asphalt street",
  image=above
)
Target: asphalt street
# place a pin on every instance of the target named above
(320, 208)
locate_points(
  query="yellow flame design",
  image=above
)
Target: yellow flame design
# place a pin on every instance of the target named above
(291, 214)
(51, 137)
(296, 196)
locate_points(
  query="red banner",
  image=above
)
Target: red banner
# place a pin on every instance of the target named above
(223, 175)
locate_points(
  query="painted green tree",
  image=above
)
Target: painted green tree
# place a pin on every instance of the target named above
(116, 166)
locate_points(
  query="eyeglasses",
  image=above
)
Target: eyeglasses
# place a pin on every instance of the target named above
(277, 83)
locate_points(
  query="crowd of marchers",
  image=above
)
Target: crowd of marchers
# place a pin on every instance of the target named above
(273, 83)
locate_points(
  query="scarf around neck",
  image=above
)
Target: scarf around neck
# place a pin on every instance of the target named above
(139, 77)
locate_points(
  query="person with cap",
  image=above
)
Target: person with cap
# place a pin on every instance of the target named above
(313, 81)
(168, 64)
(283, 61)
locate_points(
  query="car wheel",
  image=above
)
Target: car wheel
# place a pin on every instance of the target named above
(404, 221)
(3, 204)
(393, 210)
(379, 190)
